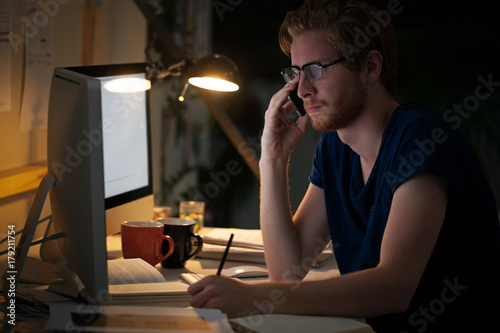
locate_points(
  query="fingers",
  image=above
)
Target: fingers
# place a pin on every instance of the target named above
(205, 292)
(302, 123)
(198, 298)
(279, 109)
(279, 99)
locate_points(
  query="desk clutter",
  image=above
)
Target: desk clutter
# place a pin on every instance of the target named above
(150, 298)
(247, 246)
(131, 281)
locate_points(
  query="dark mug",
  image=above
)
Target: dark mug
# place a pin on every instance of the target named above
(187, 244)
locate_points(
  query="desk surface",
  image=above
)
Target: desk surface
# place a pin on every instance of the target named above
(209, 266)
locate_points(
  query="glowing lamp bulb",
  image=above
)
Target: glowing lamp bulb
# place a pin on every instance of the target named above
(213, 84)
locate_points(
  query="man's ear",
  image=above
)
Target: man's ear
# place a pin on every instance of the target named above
(374, 62)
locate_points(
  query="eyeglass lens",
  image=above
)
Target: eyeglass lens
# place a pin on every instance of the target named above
(313, 72)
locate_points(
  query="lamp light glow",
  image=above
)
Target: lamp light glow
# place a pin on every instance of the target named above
(213, 84)
(127, 85)
(214, 72)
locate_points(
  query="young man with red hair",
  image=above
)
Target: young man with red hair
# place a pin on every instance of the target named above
(396, 188)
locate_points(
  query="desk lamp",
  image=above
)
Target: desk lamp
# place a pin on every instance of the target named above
(212, 72)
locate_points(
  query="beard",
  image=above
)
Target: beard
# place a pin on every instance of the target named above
(345, 110)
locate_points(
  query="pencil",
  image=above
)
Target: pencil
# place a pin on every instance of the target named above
(224, 256)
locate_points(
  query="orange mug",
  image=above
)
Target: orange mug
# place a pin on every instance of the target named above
(144, 240)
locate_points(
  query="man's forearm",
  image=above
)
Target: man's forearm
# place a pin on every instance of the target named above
(281, 241)
(362, 294)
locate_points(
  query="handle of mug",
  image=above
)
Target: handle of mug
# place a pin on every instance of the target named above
(200, 245)
(170, 246)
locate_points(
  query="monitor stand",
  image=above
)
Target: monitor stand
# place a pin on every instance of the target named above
(17, 258)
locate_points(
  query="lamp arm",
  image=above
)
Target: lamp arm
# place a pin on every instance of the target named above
(220, 116)
(233, 134)
(172, 70)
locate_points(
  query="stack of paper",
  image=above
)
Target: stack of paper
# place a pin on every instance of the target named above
(247, 246)
(141, 293)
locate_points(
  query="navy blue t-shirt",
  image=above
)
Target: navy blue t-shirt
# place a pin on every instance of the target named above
(459, 290)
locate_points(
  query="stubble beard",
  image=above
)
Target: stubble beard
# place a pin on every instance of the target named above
(346, 109)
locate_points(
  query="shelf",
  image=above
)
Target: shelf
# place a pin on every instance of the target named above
(18, 180)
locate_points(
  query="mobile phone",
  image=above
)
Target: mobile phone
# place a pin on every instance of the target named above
(296, 101)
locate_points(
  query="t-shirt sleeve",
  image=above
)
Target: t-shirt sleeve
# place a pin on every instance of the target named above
(429, 147)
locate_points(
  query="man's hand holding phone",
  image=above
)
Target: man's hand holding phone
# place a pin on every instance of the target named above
(281, 136)
(296, 102)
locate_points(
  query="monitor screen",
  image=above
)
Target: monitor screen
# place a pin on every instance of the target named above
(98, 149)
(127, 155)
(125, 140)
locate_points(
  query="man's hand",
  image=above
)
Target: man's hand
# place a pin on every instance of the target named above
(231, 296)
(281, 136)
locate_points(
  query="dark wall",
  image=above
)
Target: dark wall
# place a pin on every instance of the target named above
(446, 49)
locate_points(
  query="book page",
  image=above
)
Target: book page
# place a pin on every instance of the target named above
(145, 289)
(132, 271)
(38, 271)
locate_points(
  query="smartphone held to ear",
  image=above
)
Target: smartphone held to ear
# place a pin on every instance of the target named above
(297, 103)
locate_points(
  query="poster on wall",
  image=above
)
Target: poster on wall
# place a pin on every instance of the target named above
(5, 54)
(38, 28)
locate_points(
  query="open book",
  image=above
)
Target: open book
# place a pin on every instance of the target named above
(129, 281)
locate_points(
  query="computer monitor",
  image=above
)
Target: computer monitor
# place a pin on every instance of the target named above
(99, 151)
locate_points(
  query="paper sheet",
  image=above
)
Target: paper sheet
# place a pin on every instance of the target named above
(127, 271)
(242, 237)
(38, 69)
(247, 244)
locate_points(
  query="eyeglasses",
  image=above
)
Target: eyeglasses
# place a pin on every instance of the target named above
(313, 71)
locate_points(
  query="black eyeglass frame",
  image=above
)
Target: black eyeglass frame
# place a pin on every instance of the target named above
(308, 77)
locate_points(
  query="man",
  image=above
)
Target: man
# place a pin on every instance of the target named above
(400, 193)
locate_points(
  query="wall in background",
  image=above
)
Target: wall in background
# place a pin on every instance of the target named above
(446, 49)
(111, 32)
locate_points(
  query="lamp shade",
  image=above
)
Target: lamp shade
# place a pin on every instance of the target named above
(214, 72)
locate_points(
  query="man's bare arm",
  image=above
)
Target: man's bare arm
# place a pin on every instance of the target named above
(415, 220)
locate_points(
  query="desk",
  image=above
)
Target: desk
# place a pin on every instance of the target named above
(266, 323)
(209, 266)
(275, 323)
(259, 323)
